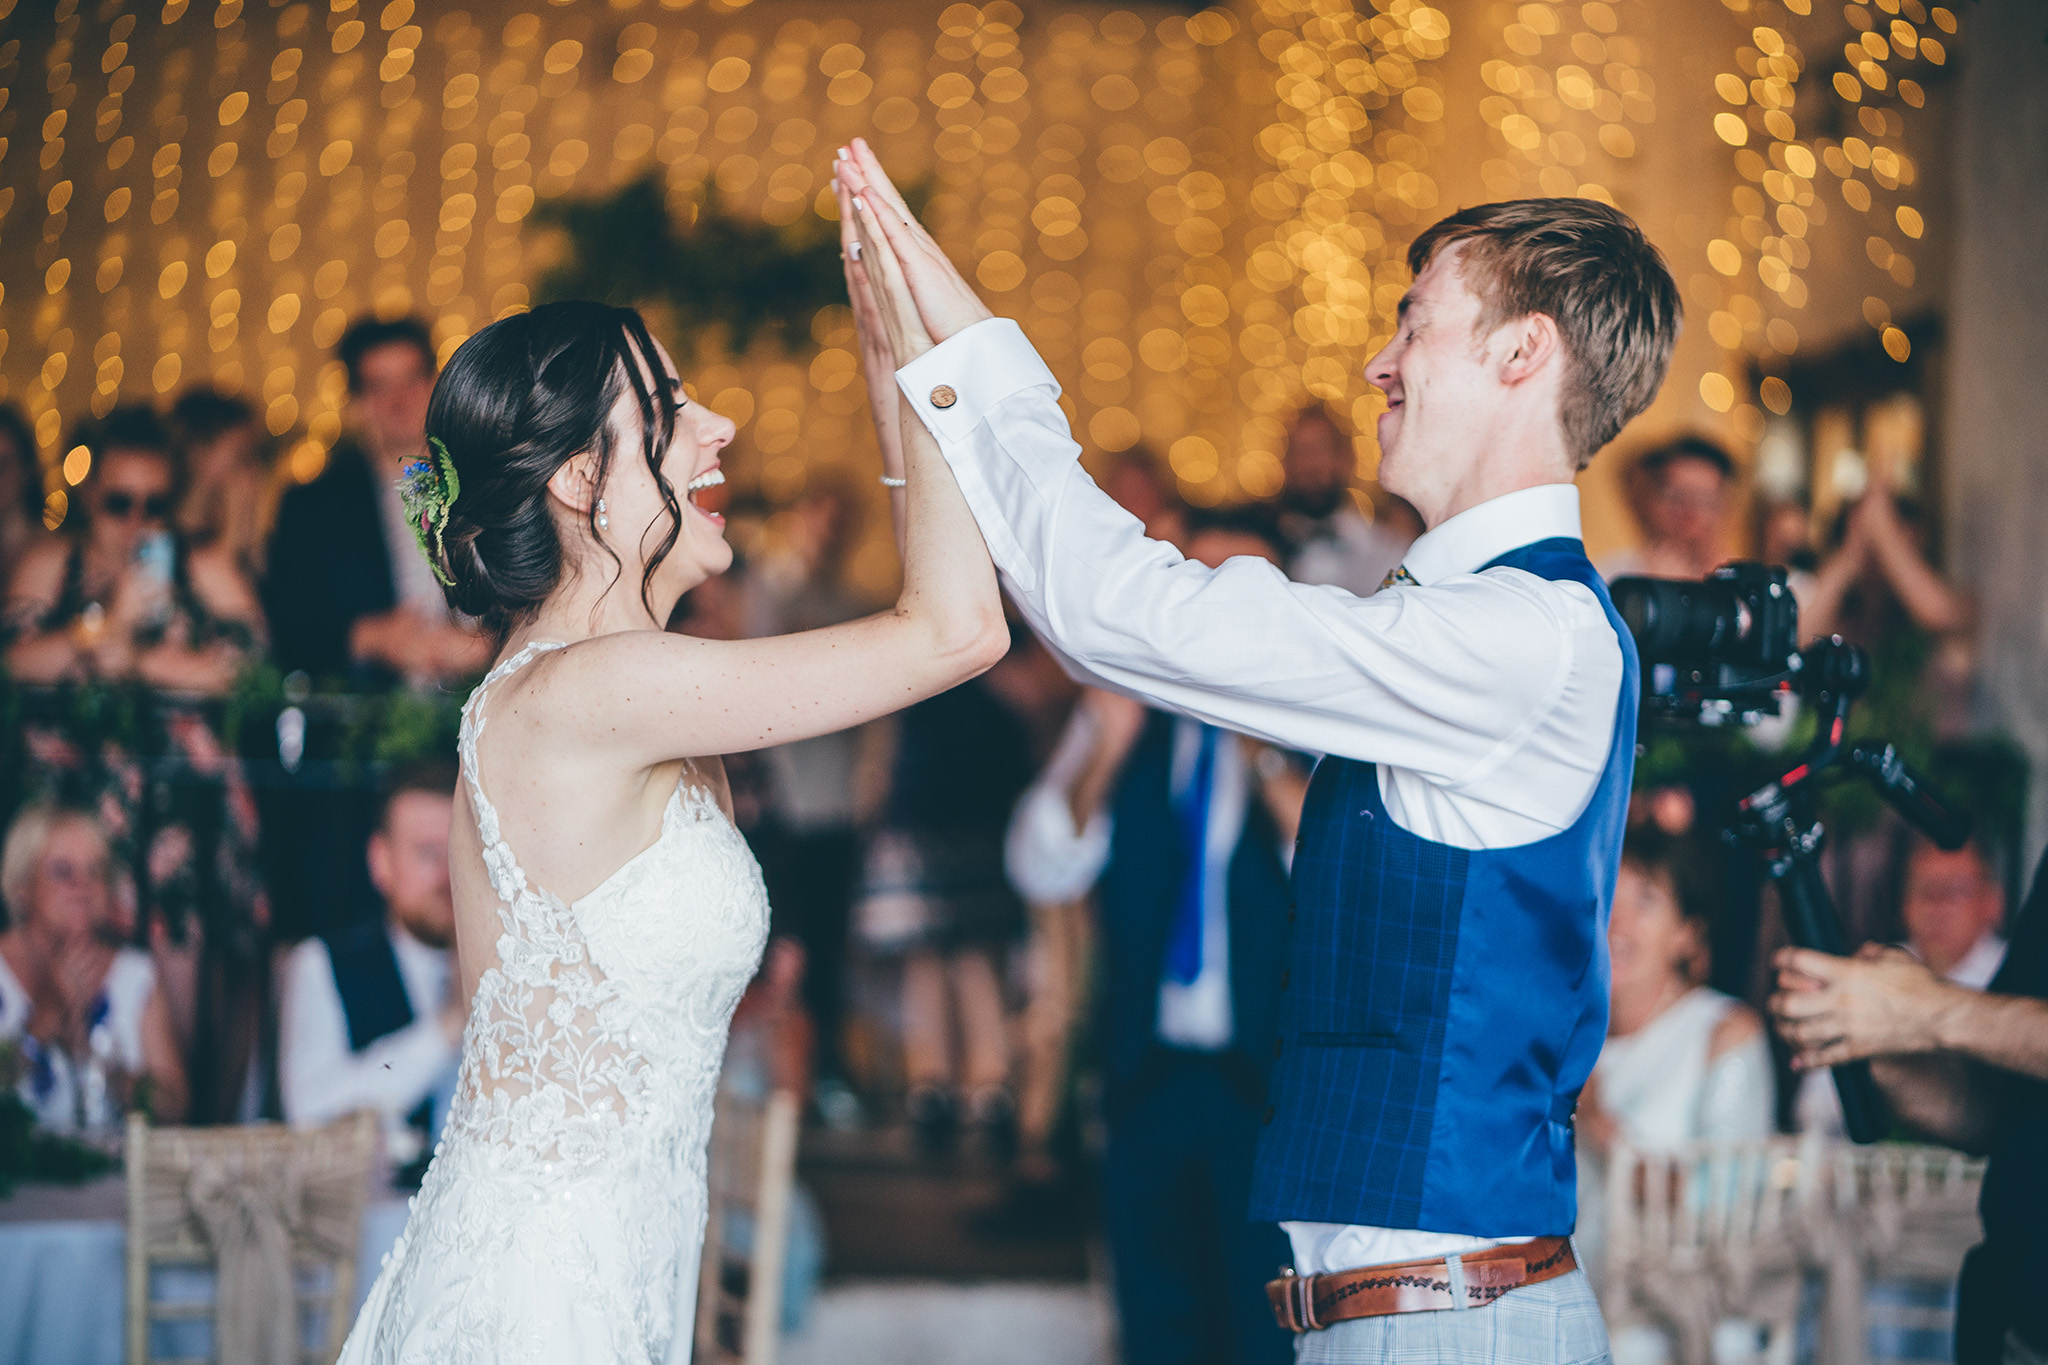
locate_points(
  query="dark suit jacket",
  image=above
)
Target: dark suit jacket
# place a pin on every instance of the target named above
(329, 567)
(1137, 898)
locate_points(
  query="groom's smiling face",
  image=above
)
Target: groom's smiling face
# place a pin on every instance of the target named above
(1441, 382)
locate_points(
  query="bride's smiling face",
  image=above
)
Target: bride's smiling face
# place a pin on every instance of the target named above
(637, 513)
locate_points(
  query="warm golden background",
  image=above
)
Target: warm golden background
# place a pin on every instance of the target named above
(1199, 217)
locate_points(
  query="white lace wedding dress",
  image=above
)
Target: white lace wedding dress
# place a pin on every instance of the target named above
(563, 1216)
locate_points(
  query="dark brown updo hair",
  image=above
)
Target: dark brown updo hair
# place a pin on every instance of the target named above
(518, 400)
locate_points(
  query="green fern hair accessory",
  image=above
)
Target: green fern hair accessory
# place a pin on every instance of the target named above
(429, 487)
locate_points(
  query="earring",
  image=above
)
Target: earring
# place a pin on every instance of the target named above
(603, 522)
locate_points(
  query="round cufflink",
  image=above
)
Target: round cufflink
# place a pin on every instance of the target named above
(944, 397)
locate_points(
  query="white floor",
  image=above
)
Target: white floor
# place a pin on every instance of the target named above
(922, 1322)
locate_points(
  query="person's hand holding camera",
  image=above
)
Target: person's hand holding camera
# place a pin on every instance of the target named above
(1882, 1002)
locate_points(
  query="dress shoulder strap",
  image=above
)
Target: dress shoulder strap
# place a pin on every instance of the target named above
(503, 867)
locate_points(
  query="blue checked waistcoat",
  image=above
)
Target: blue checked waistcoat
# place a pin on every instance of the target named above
(1443, 1005)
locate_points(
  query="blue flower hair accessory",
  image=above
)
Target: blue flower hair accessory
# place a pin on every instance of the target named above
(429, 487)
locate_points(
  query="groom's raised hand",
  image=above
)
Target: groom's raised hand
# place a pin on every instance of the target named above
(945, 301)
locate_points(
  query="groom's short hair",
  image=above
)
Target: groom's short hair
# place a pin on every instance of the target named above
(1588, 268)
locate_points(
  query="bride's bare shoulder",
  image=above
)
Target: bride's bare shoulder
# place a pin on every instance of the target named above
(588, 685)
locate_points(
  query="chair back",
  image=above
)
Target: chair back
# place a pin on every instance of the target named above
(751, 1173)
(271, 1215)
(1733, 1229)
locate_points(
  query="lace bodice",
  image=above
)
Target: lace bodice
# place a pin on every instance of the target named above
(561, 1217)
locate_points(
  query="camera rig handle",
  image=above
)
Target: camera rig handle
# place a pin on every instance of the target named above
(1779, 820)
(1906, 792)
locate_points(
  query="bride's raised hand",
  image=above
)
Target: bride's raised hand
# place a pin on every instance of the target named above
(944, 300)
(880, 275)
(877, 356)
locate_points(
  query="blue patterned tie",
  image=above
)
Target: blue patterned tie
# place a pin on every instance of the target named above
(1191, 818)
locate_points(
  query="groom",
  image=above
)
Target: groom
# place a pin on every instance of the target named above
(1446, 993)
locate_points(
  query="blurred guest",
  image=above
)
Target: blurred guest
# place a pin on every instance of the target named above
(771, 1048)
(714, 610)
(228, 502)
(368, 1018)
(825, 789)
(1953, 908)
(1328, 539)
(1188, 831)
(1879, 577)
(1680, 493)
(93, 1030)
(21, 490)
(1785, 535)
(933, 895)
(1682, 1061)
(122, 595)
(1141, 486)
(348, 591)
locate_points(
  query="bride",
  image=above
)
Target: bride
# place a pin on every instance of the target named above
(607, 912)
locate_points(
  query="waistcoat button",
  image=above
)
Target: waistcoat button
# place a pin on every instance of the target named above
(1277, 1045)
(1269, 1115)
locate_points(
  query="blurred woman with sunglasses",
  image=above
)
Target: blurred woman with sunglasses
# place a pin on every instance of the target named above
(122, 596)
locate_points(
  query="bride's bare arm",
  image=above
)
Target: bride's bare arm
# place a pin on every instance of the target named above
(673, 696)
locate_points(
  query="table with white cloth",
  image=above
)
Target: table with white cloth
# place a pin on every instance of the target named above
(63, 1271)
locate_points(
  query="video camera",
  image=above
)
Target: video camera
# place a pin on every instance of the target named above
(1725, 650)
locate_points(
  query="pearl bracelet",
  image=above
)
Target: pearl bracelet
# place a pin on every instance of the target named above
(888, 482)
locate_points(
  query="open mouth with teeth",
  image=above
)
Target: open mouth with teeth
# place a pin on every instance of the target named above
(713, 477)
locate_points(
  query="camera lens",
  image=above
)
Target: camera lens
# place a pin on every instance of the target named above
(1678, 620)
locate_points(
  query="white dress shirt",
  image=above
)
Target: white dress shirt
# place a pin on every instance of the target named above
(321, 1079)
(1487, 699)
(1049, 860)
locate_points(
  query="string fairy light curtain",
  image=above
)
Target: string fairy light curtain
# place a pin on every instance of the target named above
(1357, 109)
(1199, 216)
(219, 187)
(1789, 109)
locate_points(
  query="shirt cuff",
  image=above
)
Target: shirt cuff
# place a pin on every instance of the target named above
(953, 385)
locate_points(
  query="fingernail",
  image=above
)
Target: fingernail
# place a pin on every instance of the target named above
(860, 203)
(843, 155)
(853, 249)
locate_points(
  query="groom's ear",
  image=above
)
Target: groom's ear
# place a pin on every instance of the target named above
(1527, 345)
(574, 483)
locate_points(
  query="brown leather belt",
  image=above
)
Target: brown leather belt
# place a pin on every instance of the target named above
(1307, 1303)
